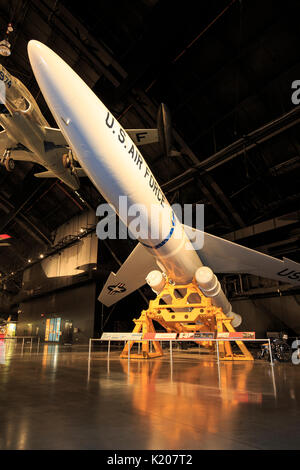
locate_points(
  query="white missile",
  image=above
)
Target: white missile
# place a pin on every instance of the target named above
(111, 159)
(115, 166)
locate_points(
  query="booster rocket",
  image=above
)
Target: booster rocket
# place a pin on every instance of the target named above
(116, 167)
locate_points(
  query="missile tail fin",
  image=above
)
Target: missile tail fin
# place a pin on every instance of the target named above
(224, 256)
(130, 277)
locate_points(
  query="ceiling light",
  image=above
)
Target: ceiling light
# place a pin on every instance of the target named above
(5, 48)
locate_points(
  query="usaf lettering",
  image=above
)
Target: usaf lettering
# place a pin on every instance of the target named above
(291, 274)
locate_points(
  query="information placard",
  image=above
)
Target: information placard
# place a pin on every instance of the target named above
(196, 336)
(121, 336)
(236, 335)
(160, 336)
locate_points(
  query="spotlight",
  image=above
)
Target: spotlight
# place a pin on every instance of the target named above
(29, 261)
(5, 48)
(81, 230)
(41, 256)
(5, 44)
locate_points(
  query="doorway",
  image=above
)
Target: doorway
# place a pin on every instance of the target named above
(68, 332)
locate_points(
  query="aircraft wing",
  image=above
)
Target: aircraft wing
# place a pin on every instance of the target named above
(131, 275)
(55, 135)
(17, 152)
(143, 136)
(223, 256)
(45, 174)
(22, 155)
(4, 142)
(49, 174)
(80, 172)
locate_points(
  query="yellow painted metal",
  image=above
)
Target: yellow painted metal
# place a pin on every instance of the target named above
(182, 315)
(145, 325)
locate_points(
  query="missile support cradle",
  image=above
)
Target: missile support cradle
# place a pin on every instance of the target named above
(181, 316)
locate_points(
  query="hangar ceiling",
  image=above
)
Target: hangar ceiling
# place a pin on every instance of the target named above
(224, 69)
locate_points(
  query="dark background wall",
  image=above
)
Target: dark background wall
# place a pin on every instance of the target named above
(76, 305)
(280, 313)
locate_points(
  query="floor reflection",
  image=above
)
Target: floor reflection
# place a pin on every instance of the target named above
(50, 355)
(7, 349)
(190, 395)
(2, 351)
(150, 404)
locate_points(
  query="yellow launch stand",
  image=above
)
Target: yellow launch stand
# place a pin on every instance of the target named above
(183, 316)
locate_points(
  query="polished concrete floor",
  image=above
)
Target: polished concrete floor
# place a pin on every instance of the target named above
(57, 399)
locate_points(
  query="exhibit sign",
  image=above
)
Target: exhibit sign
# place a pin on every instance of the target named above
(47, 329)
(160, 336)
(121, 336)
(11, 329)
(236, 335)
(52, 331)
(2, 331)
(196, 336)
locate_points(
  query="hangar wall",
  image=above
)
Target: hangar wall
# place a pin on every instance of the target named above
(73, 306)
(56, 289)
(269, 314)
(66, 262)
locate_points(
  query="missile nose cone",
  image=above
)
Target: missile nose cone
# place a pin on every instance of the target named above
(43, 64)
(39, 55)
(47, 67)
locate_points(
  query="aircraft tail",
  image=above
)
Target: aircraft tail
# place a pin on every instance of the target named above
(162, 134)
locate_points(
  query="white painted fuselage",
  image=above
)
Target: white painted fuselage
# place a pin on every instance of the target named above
(111, 159)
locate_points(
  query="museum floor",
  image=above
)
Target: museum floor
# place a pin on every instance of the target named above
(55, 399)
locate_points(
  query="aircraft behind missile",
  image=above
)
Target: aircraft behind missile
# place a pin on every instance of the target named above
(27, 136)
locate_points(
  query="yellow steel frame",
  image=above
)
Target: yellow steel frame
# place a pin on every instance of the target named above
(182, 315)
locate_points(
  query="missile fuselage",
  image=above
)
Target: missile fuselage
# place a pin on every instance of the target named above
(114, 164)
(111, 160)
